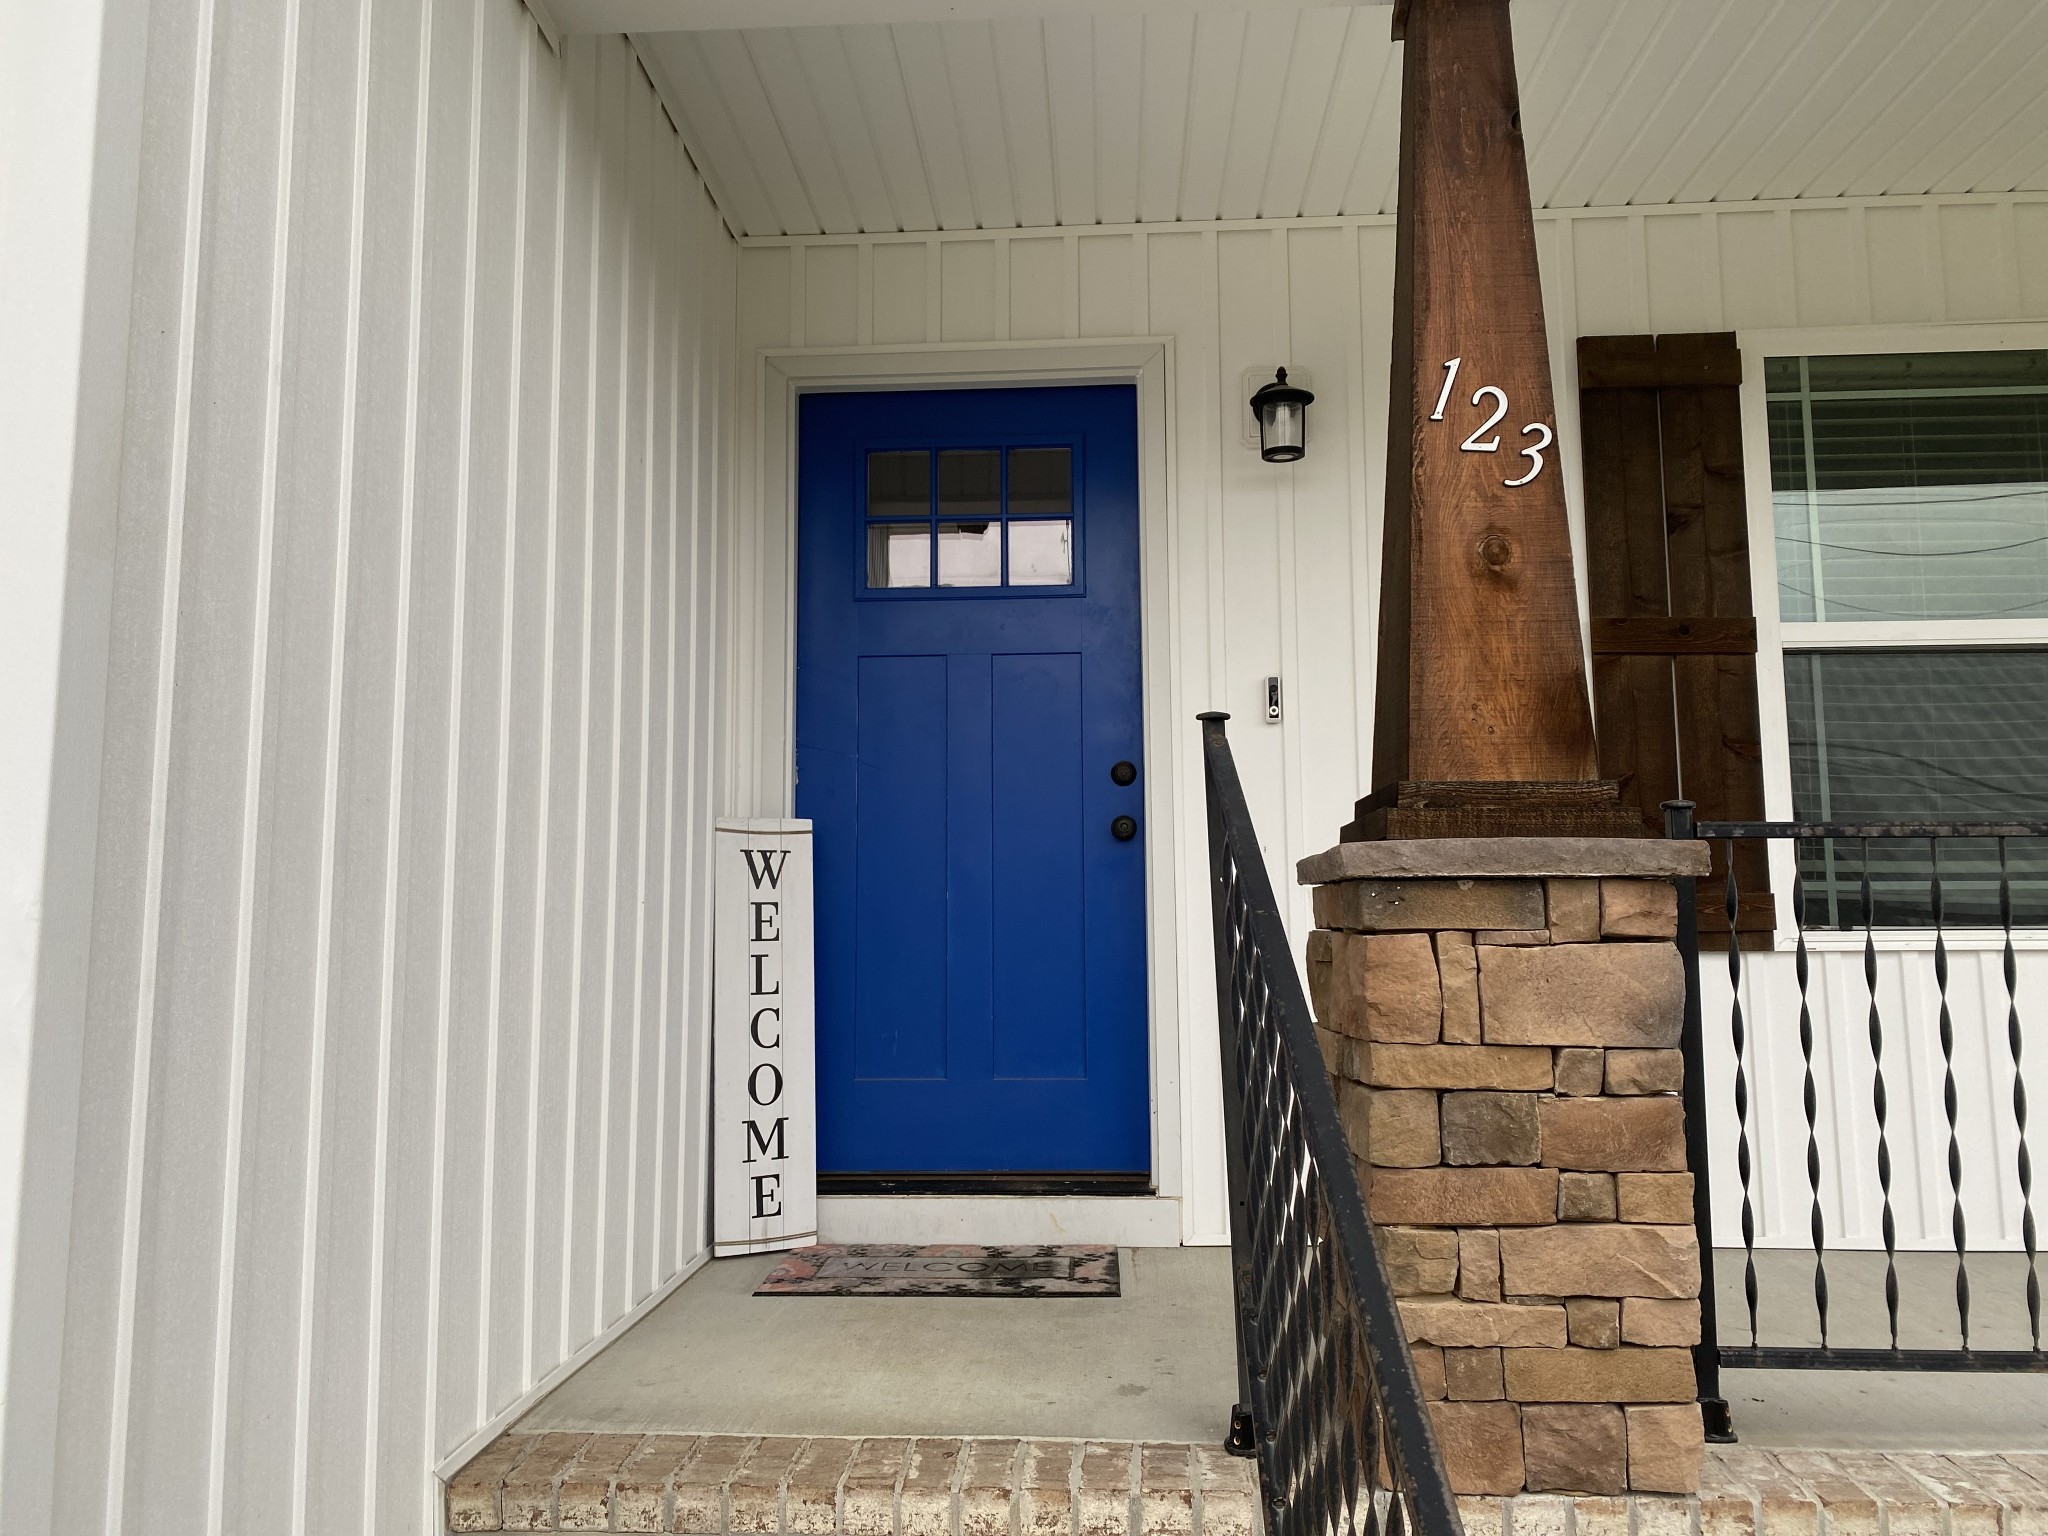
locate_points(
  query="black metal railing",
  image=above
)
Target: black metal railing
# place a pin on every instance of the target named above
(1330, 1404)
(1878, 1046)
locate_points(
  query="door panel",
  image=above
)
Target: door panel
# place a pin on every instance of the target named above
(967, 676)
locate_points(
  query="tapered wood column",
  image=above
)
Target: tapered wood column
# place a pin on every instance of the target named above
(1482, 726)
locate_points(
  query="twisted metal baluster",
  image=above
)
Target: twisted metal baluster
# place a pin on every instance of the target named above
(1738, 1034)
(1809, 1097)
(2019, 1101)
(1948, 1098)
(1878, 1104)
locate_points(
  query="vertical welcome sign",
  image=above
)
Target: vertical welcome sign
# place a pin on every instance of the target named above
(764, 1158)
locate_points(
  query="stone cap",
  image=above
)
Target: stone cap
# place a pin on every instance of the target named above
(1468, 858)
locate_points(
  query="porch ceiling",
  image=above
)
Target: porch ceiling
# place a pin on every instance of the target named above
(1185, 112)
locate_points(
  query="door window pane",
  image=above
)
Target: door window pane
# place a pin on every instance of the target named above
(1041, 554)
(899, 554)
(1041, 482)
(900, 484)
(1920, 736)
(1911, 486)
(970, 483)
(970, 554)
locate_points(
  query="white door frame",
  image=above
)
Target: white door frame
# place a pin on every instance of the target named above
(763, 728)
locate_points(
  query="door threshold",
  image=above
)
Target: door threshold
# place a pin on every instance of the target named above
(1124, 1184)
(1129, 1221)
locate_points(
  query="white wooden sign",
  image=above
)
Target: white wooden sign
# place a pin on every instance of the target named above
(764, 1157)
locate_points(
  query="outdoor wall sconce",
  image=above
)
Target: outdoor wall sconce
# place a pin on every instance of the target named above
(1282, 409)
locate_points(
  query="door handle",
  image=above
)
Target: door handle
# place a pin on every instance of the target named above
(1123, 829)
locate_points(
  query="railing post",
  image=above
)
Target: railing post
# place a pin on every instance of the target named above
(1243, 1439)
(1706, 1355)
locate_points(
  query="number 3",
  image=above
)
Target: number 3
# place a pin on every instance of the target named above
(1533, 455)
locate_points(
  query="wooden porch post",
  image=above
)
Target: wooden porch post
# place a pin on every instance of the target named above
(1482, 726)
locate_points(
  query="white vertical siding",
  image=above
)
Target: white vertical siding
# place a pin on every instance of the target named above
(394, 1075)
(1275, 570)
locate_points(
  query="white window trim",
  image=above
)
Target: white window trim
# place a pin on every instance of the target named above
(1774, 636)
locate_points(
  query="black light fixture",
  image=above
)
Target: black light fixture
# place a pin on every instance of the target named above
(1282, 409)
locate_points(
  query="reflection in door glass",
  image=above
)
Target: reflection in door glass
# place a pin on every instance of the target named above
(970, 483)
(1041, 554)
(970, 554)
(1041, 482)
(899, 555)
(900, 484)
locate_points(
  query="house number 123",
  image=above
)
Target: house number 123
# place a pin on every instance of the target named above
(1479, 442)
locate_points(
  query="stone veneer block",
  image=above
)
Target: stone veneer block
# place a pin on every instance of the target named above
(1469, 858)
(1638, 909)
(1525, 1068)
(1585, 1197)
(1429, 1370)
(1463, 1197)
(1614, 1135)
(1593, 1322)
(1482, 1446)
(1512, 936)
(1665, 1445)
(1399, 1126)
(1573, 910)
(1489, 1129)
(1660, 1322)
(1625, 1375)
(1424, 906)
(1479, 1264)
(1581, 1071)
(1382, 986)
(1635, 1072)
(1579, 1448)
(1457, 1324)
(1657, 1198)
(1601, 1259)
(1420, 1261)
(1473, 1376)
(1581, 994)
(1457, 967)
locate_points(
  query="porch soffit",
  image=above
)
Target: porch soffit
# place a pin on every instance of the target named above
(1160, 111)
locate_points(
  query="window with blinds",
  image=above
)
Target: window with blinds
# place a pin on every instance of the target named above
(1910, 498)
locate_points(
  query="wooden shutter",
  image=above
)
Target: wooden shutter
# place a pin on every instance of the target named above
(1673, 629)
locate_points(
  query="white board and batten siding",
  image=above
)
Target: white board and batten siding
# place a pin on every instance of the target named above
(394, 1072)
(764, 1147)
(1275, 571)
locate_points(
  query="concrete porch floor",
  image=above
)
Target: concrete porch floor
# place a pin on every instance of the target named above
(1155, 1364)
(1158, 1363)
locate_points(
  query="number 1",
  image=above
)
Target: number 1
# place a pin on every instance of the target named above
(1450, 379)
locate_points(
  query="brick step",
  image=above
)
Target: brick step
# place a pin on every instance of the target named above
(744, 1485)
(1747, 1492)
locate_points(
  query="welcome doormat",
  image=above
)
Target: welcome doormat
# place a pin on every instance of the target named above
(945, 1269)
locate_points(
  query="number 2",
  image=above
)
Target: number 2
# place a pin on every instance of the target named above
(1472, 444)
(1533, 455)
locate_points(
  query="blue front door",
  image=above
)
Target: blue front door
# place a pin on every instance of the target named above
(968, 726)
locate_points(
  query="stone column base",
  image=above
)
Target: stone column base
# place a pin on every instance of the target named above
(1501, 1019)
